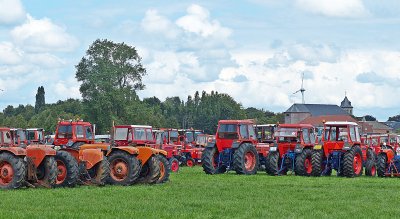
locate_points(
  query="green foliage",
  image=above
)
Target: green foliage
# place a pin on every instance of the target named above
(40, 99)
(395, 118)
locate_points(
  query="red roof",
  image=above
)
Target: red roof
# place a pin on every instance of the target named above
(295, 125)
(318, 120)
(246, 121)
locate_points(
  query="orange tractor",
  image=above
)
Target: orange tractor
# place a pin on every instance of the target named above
(22, 165)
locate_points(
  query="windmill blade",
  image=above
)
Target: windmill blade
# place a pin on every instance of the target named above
(296, 92)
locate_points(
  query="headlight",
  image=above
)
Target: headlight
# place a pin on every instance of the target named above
(272, 148)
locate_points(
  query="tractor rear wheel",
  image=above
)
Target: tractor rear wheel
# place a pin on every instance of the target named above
(316, 163)
(12, 171)
(174, 163)
(150, 172)
(124, 168)
(165, 169)
(303, 163)
(352, 162)
(209, 160)
(67, 169)
(272, 163)
(100, 172)
(381, 165)
(190, 162)
(370, 168)
(245, 159)
(47, 172)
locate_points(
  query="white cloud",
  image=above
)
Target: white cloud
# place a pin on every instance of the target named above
(42, 35)
(153, 22)
(337, 8)
(64, 89)
(9, 55)
(11, 11)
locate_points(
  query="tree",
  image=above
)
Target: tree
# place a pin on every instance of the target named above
(369, 118)
(40, 99)
(392, 118)
(110, 74)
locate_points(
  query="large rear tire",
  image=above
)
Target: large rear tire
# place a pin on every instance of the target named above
(47, 172)
(12, 171)
(209, 161)
(304, 163)
(370, 168)
(67, 169)
(272, 163)
(316, 163)
(165, 169)
(100, 172)
(124, 168)
(352, 162)
(150, 172)
(245, 159)
(381, 165)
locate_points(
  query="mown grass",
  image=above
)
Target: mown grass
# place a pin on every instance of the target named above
(193, 194)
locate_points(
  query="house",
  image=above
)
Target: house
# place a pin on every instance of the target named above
(374, 127)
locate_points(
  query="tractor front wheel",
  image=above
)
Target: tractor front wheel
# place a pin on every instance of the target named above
(381, 165)
(165, 169)
(174, 163)
(210, 161)
(150, 172)
(67, 169)
(370, 168)
(100, 172)
(245, 159)
(304, 163)
(47, 172)
(352, 162)
(124, 168)
(190, 162)
(272, 163)
(12, 171)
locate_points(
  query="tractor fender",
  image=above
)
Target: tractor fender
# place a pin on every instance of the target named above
(145, 153)
(347, 146)
(160, 151)
(127, 149)
(211, 144)
(38, 152)
(236, 144)
(17, 151)
(389, 154)
(73, 152)
(103, 147)
(91, 157)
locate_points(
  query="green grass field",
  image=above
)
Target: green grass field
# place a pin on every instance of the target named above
(193, 194)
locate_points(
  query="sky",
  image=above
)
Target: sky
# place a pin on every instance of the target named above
(253, 50)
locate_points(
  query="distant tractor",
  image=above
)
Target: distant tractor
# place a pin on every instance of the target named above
(340, 149)
(265, 133)
(166, 139)
(292, 150)
(191, 155)
(22, 165)
(234, 148)
(387, 161)
(35, 136)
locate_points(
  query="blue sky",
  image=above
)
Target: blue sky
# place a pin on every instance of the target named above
(254, 50)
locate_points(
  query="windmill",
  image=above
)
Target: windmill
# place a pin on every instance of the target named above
(302, 88)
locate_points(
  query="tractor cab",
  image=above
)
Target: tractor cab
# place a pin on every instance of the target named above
(235, 132)
(138, 135)
(265, 133)
(6, 139)
(35, 135)
(74, 133)
(340, 136)
(19, 137)
(203, 139)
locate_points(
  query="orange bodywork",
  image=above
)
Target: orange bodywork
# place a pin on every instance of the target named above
(17, 151)
(91, 157)
(103, 147)
(39, 152)
(389, 153)
(128, 149)
(145, 153)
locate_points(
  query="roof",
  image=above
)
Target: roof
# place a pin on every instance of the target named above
(246, 121)
(266, 125)
(317, 109)
(295, 126)
(378, 125)
(393, 124)
(34, 129)
(334, 123)
(133, 126)
(319, 120)
(65, 122)
(345, 103)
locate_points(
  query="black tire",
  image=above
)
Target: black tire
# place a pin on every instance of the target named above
(150, 172)
(18, 167)
(370, 168)
(371, 154)
(316, 162)
(165, 169)
(272, 163)
(348, 159)
(381, 165)
(174, 167)
(47, 172)
(239, 159)
(208, 161)
(66, 162)
(132, 164)
(300, 167)
(100, 172)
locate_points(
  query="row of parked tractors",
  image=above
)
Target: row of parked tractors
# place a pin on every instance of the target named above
(135, 154)
(301, 149)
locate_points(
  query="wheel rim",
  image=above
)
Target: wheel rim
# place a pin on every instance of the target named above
(249, 161)
(175, 166)
(308, 165)
(373, 170)
(357, 164)
(162, 170)
(119, 170)
(61, 172)
(6, 173)
(189, 163)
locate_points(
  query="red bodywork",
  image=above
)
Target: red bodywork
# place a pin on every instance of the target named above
(288, 136)
(35, 135)
(125, 135)
(75, 131)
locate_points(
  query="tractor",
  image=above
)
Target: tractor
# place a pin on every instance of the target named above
(387, 162)
(265, 133)
(22, 165)
(291, 150)
(35, 136)
(340, 149)
(234, 148)
(76, 161)
(165, 140)
(191, 155)
(155, 167)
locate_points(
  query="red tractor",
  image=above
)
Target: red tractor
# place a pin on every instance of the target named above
(22, 165)
(166, 140)
(292, 150)
(265, 133)
(234, 148)
(35, 136)
(155, 167)
(340, 149)
(191, 155)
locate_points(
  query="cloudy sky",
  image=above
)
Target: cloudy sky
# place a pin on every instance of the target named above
(254, 50)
